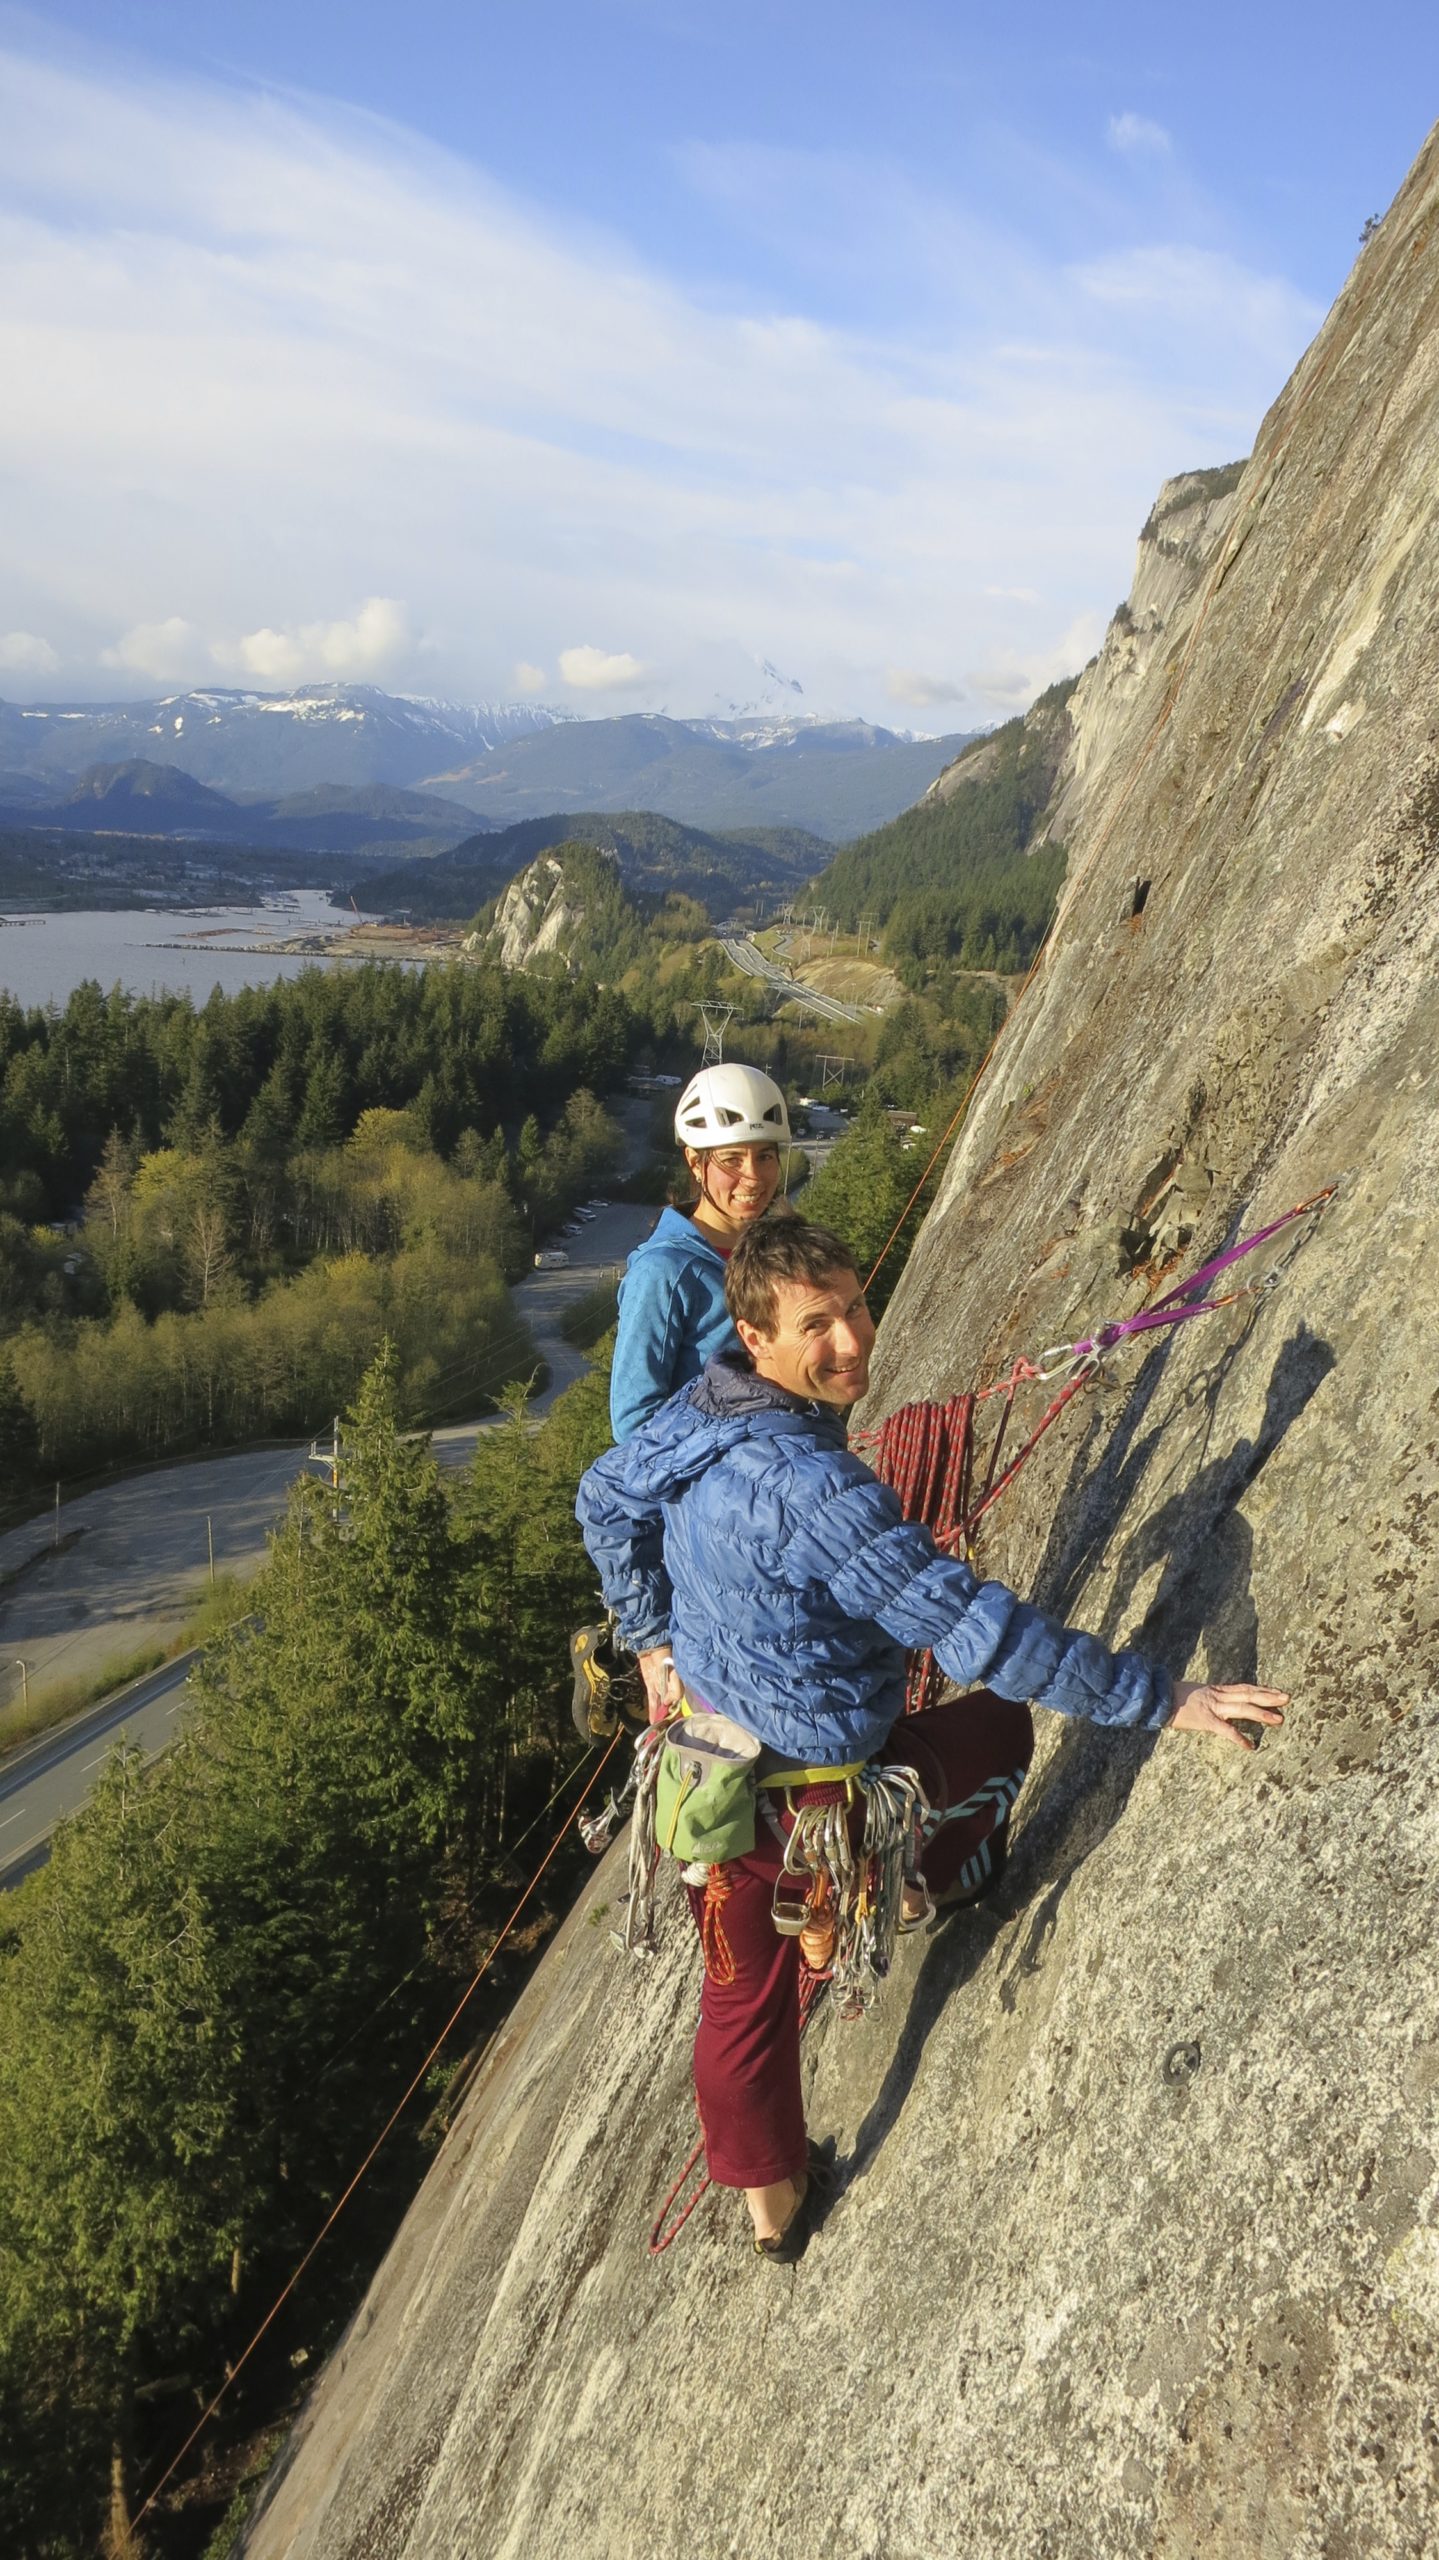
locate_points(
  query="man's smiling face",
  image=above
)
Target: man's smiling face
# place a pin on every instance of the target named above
(822, 1338)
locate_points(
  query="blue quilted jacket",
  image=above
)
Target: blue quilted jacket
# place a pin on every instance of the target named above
(672, 1319)
(738, 1527)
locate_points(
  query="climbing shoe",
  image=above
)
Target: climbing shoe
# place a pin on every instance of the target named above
(963, 1897)
(787, 2247)
(605, 1697)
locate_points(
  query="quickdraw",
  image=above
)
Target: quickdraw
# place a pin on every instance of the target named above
(638, 1934)
(846, 1912)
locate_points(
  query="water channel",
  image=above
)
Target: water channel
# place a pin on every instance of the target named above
(148, 950)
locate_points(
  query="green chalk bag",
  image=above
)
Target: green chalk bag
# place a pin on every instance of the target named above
(704, 1797)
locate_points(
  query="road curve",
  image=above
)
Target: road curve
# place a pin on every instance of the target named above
(747, 956)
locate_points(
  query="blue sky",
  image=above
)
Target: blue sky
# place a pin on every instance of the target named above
(606, 354)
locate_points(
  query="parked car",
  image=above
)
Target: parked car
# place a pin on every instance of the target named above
(554, 1258)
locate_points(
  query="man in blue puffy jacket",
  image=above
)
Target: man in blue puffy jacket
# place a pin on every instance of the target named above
(750, 1557)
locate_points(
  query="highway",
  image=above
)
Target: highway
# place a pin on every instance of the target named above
(41, 1784)
(132, 1561)
(747, 956)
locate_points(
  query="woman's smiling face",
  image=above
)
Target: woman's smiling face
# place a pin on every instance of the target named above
(737, 1183)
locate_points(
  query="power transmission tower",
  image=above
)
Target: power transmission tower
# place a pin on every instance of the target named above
(833, 1069)
(715, 1017)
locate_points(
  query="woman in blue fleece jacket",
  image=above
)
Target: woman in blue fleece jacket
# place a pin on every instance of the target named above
(731, 1122)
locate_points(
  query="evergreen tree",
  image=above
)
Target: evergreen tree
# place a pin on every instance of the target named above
(861, 1191)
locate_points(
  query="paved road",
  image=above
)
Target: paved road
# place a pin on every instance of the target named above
(132, 1559)
(39, 1785)
(747, 956)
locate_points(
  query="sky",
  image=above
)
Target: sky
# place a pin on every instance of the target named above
(638, 355)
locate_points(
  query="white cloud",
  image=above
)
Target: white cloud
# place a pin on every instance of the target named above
(338, 363)
(167, 651)
(1009, 681)
(527, 679)
(1138, 137)
(368, 646)
(905, 684)
(601, 671)
(24, 653)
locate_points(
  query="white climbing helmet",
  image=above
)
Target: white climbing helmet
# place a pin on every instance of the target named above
(731, 1106)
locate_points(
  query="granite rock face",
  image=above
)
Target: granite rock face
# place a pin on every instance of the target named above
(1137, 2250)
(538, 912)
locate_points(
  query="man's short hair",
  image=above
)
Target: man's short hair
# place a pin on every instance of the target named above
(772, 1252)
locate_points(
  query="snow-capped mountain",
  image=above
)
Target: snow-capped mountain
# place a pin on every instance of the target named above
(754, 766)
(238, 740)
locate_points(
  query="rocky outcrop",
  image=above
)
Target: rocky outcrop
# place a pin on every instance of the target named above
(1137, 2250)
(539, 912)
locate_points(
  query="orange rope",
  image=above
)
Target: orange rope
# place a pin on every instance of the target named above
(387, 2128)
(718, 1953)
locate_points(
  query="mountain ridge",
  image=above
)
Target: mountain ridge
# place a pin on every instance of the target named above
(501, 761)
(834, 778)
(654, 854)
(138, 797)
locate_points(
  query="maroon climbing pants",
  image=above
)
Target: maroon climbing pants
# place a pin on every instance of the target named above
(971, 1755)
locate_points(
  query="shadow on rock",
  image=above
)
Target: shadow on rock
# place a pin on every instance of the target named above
(957, 1948)
(1205, 1545)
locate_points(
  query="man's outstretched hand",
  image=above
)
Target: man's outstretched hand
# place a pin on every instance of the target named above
(1214, 1706)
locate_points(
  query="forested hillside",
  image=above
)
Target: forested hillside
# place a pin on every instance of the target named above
(210, 1218)
(51, 867)
(657, 855)
(953, 878)
(216, 1992)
